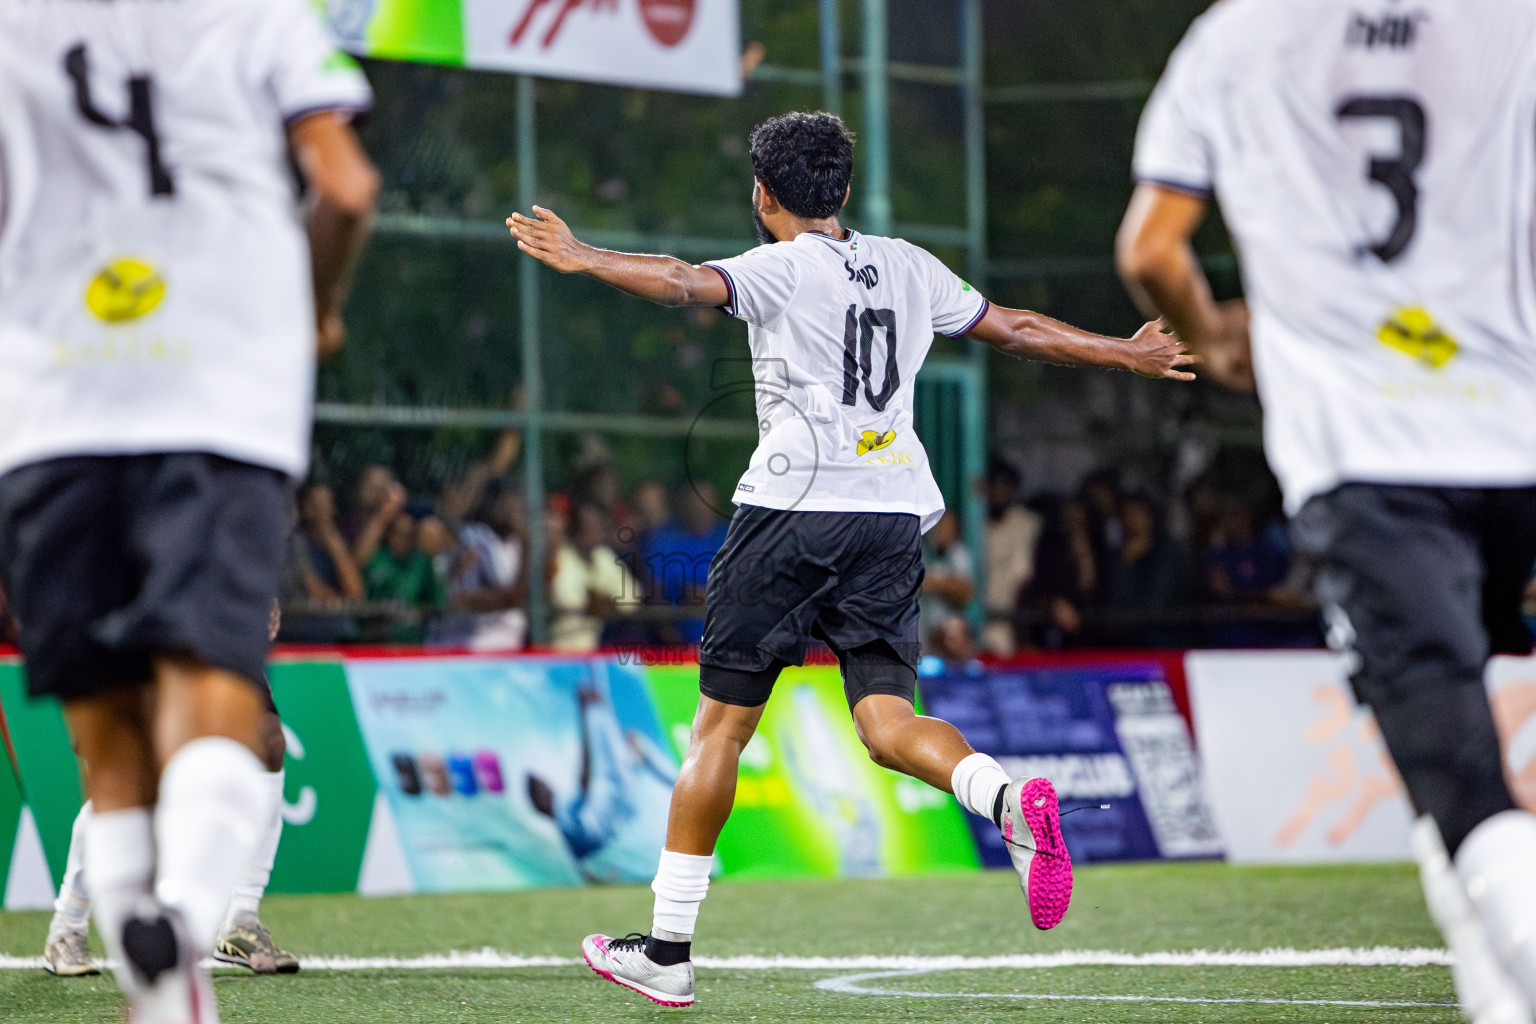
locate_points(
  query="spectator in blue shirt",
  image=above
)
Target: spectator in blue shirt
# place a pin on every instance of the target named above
(676, 558)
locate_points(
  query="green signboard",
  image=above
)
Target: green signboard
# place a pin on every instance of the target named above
(329, 788)
(50, 776)
(809, 801)
(10, 816)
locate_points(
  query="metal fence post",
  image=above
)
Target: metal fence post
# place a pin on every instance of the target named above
(831, 57)
(973, 97)
(877, 117)
(533, 372)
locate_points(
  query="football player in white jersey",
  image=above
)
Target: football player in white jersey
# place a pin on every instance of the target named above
(244, 941)
(825, 542)
(160, 310)
(1374, 164)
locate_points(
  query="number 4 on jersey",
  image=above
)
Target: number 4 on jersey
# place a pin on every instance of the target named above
(140, 119)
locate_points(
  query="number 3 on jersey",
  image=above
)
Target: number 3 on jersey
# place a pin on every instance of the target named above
(858, 352)
(140, 119)
(1395, 173)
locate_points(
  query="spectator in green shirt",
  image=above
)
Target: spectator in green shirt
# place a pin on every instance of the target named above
(401, 571)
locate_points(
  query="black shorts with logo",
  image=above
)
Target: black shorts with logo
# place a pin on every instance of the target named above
(111, 560)
(1421, 583)
(785, 578)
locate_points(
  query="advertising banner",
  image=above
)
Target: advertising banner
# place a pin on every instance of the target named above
(451, 773)
(50, 777)
(1298, 772)
(514, 773)
(681, 45)
(808, 799)
(1512, 688)
(1106, 734)
(328, 799)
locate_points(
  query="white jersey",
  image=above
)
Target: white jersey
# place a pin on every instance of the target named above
(155, 290)
(1376, 165)
(839, 329)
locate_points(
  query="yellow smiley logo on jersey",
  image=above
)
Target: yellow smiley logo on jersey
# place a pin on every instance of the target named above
(1413, 332)
(125, 289)
(873, 442)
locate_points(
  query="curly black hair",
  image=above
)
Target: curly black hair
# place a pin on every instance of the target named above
(805, 160)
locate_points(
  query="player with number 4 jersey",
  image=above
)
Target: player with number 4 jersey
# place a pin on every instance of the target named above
(825, 540)
(163, 297)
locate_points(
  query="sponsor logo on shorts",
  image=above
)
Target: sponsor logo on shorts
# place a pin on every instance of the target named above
(748, 488)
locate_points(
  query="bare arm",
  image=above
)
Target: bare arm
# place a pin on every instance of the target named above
(1164, 276)
(1018, 332)
(663, 279)
(340, 218)
(372, 534)
(349, 579)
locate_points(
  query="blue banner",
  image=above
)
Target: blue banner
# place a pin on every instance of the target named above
(1107, 734)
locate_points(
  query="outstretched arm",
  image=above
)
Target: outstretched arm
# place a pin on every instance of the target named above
(663, 279)
(1163, 275)
(1018, 332)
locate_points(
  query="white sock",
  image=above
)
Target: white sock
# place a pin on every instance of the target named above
(212, 812)
(976, 781)
(1497, 863)
(72, 910)
(1483, 988)
(682, 881)
(119, 860)
(246, 902)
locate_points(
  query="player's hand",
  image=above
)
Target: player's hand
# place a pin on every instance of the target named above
(1154, 352)
(1226, 353)
(548, 239)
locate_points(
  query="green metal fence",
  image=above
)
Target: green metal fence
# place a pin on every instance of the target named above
(1072, 136)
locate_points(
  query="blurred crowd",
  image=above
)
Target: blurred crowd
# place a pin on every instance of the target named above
(370, 562)
(1111, 565)
(1119, 565)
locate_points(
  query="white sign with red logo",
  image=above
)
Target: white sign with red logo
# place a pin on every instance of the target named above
(1297, 772)
(684, 45)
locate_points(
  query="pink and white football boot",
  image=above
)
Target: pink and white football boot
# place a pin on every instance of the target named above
(1032, 830)
(623, 962)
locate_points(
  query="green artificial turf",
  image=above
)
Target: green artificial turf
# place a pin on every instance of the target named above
(1137, 908)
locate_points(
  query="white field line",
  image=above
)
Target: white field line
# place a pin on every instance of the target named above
(853, 984)
(491, 959)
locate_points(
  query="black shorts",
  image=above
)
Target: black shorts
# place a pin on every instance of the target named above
(785, 578)
(1421, 583)
(112, 560)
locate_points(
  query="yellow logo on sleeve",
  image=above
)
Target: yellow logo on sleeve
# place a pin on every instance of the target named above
(1413, 332)
(873, 442)
(125, 289)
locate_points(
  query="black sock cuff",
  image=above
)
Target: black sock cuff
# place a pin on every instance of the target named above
(667, 953)
(997, 807)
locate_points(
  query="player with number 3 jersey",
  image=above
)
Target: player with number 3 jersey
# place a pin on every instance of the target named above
(825, 541)
(1375, 163)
